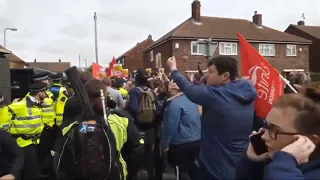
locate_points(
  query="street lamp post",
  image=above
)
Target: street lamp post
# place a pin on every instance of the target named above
(4, 34)
(209, 47)
(85, 63)
(96, 37)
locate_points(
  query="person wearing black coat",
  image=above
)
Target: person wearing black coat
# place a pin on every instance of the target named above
(11, 157)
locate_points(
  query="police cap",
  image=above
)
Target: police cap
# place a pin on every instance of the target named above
(56, 76)
(40, 76)
(38, 86)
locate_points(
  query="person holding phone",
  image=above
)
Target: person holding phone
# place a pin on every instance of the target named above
(288, 147)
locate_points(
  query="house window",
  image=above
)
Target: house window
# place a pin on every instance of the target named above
(291, 50)
(228, 48)
(151, 55)
(267, 49)
(195, 48)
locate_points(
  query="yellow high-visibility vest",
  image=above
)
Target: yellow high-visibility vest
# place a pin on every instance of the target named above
(26, 123)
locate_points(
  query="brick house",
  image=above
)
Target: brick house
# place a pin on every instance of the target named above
(15, 61)
(311, 33)
(132, 59)
(51, 66)
(284, 51)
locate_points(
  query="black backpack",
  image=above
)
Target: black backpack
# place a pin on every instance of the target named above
(94, 150)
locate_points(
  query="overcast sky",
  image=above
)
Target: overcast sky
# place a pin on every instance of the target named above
(49, 30)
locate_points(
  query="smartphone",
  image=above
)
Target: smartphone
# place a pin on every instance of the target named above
(258, 144)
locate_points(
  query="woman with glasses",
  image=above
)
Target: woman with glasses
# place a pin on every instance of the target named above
(291, 134)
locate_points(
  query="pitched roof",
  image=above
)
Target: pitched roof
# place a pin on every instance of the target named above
(311, 30)
(12, 57)
(143, 43)
(227, 28)
(51, 66)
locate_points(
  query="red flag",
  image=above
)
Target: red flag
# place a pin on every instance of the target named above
(111, 66)
(262, 75)
(97, 70)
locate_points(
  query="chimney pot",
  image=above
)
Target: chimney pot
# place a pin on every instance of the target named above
(35, 60)
(59, 60)
(150, 36)
(196, 10)
(301, 23)
(257, 18)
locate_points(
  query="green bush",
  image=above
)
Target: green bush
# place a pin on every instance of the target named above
(315, 77)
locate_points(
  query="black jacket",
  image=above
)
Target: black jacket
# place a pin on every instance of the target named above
(65, 164)
(11, 155)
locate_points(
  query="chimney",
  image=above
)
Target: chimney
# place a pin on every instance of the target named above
(150, 36)
(196, 11)
(301, 23)
(35, 60)
(257, 18)
(59, 60)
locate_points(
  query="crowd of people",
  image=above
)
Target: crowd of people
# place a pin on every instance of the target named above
(205, 129)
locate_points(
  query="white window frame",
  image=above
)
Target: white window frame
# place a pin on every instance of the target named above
(151, 55)
(198, 48)
(262, 46)
(222, 51)
(291, 48)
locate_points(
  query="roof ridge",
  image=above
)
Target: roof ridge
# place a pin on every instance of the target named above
(133, 47)
(167, 35)
(305, 25)
(226, 18)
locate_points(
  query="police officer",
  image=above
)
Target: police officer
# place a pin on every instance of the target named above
(50, 130)
(57, 88)
(60, 95)
(26, 127)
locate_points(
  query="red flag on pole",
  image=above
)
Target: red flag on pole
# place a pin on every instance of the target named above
(111, 66)
(262, 75)
(97, 70)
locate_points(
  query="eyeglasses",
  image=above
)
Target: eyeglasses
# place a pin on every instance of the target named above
(273, 133)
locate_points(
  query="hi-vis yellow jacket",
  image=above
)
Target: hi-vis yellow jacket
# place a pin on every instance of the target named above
(26, 124)
(48, 112)
(5, 118)
(59, 108)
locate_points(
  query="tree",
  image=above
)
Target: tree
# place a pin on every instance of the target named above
(89, 69)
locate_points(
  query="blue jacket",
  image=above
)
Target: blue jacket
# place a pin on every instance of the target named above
(228, 112)
(133, 107)
(282, 166)
(181, 122)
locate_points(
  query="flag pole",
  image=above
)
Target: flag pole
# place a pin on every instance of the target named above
(288, 84)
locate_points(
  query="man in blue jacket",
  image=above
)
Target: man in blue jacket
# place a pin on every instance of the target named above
(228, 111)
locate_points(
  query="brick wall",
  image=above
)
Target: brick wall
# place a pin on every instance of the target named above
(186, 61)
(166, 51)
(133, 59)
(314, 53)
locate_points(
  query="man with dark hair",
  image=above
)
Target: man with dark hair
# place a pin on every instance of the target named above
(147, 129)
(228, 111)
(123, 128)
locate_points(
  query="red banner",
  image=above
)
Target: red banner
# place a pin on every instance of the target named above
(111, 66)
(262, 75)
(97, 70)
